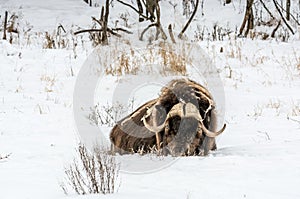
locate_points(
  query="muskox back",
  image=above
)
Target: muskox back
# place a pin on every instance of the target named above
(130, 135)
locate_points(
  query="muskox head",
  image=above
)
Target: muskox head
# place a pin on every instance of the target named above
(180, 122)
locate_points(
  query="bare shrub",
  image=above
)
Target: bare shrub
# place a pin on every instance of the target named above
(215, 33)
(107, 114)
(57, 40)
(93, 172)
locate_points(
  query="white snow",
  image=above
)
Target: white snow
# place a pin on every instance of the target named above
(258, 155)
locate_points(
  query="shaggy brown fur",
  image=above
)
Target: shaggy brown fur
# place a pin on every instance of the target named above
(180, 136)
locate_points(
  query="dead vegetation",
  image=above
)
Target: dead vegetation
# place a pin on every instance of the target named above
(93, 172)
(107, 114)
(164, 58)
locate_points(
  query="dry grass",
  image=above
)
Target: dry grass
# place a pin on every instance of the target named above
(93, 172)
(49, 81)
(234, 50)
(126, 63)
(172, 61)
(163, 58)
(295, 109)
(277, 108)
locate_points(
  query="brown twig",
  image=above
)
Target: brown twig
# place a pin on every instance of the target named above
(60, 27)
(189, 21)
(145, 30)
(122, 29)
(171, 33)
(97, 20)
(97, 30)
(113, 33)
(87, 30)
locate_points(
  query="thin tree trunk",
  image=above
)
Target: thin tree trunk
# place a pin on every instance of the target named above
(288, 9)
(278, 9)
(248, 18)
(140, 7)
(5, 25)
(160, 29)
(291, 15)
(105, 20)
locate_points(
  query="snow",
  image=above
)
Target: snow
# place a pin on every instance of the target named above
(258, 155)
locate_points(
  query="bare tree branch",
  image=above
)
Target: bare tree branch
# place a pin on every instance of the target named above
(59, 28)
(122, 29)
(145, 30)
(294, 18)
(157, 24)
(97, 30)
(265, 7)
(87, 30)
(136, 10)
(275, 29)
(284, 20)
(189, 21)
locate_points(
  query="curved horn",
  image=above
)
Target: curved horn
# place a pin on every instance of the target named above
(211, 134)
(192, 111)
(176, 110)
(153, 128)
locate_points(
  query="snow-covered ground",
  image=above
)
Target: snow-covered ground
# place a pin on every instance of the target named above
(258, 155)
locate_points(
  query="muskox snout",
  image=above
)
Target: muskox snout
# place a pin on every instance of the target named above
(180, 136)
(177, 149)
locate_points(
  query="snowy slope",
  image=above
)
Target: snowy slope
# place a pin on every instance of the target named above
(258, 155)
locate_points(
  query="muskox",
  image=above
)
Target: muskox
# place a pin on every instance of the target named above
(181, 121)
